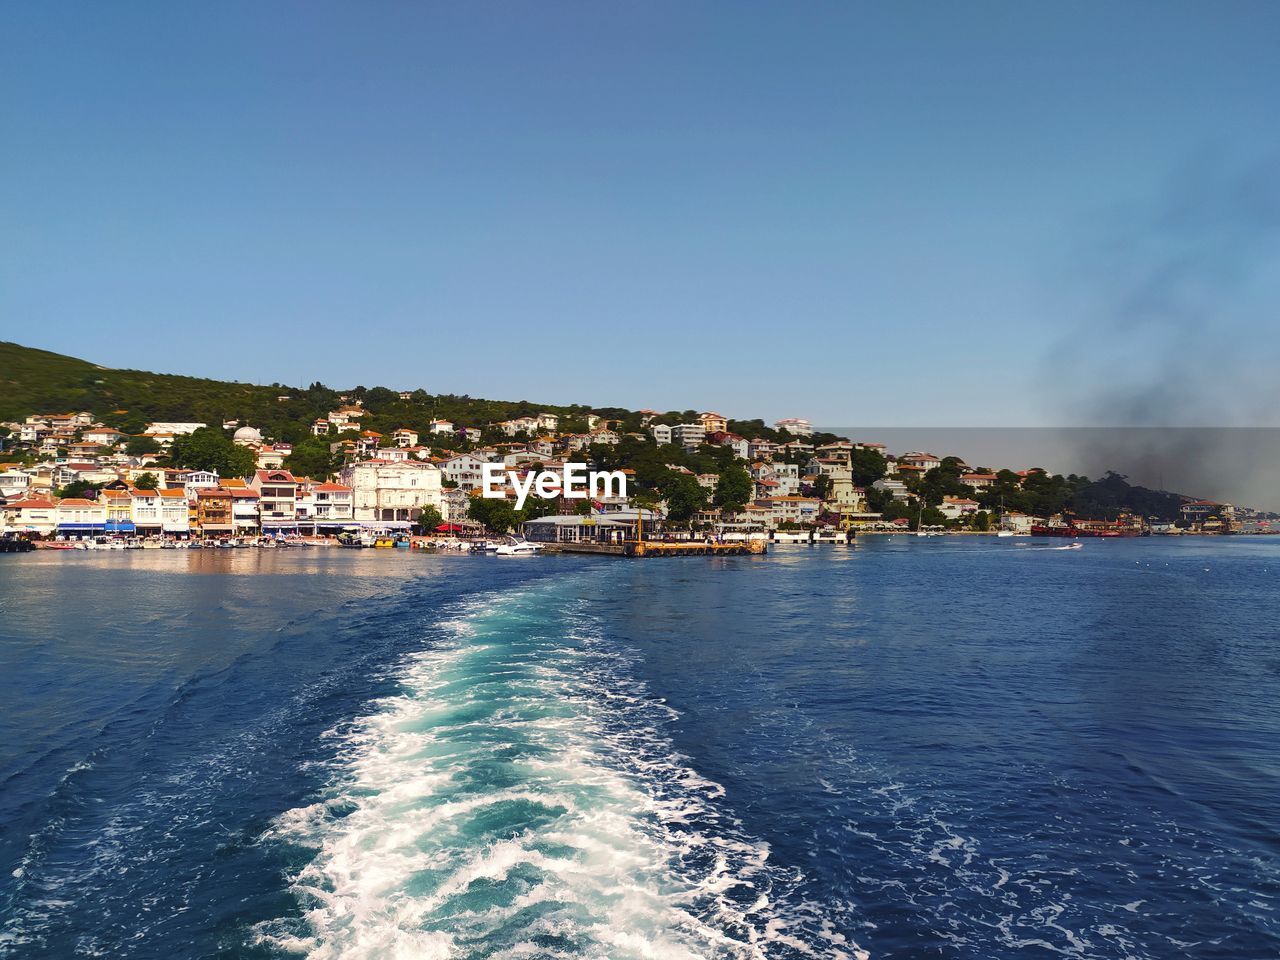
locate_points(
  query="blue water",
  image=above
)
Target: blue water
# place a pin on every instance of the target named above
(953, 748)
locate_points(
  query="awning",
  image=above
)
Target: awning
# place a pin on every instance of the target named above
(81, 526)
(119, 526)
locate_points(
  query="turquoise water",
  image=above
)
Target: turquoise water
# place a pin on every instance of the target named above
(911, 748)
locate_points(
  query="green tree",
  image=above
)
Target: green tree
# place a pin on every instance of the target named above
(429, 519)
(79, 488)
(139, 446)
(867, 466)
(821, 486)
(734, 488)
(209, 449)
(497, 515)
(684, 496)
(148, 481)
(311, 458)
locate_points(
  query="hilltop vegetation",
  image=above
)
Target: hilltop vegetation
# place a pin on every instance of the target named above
(38, 381)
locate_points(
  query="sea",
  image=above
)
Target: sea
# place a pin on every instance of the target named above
(950, 747)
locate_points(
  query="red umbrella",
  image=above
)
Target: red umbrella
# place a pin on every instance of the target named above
(448, 528)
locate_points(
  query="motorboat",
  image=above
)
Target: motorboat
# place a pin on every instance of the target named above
(518, 548)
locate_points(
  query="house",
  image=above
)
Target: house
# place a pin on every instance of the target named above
(713, 423)
(465, 470)
(792, 509)
(796, 426)
(14, 483)
(334, 505)
(762, 449)
(549, 422)
(386, 492)
(195, 480)
(277, 492)
(270, 458)
(146, 513)
(320, 427)
(896, 488)
(689, 435)
(740, 446)
(78, 518)
(175, 518)
(979, 481)
(922, 461)
(441, 426)
(404, 437)
(214, 512)
(103, 436)
(246, 508)
(32, 515)
(661, 433)
(119, 504)
(953, 508)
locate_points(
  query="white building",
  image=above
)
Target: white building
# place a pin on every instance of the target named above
(661, 433)
(895, 487)
(953, 508)
(796, 426)
(175, 515)
(393, 492)
(689, 435)
(160, 428)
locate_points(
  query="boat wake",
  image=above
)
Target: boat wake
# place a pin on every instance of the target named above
(518, 798)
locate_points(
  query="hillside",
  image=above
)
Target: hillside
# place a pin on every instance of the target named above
(38, 381)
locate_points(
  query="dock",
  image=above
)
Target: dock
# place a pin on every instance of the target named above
(660, 548)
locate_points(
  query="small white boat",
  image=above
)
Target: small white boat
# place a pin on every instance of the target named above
(518, 548)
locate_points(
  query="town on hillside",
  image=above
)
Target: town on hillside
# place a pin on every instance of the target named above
(67, 476)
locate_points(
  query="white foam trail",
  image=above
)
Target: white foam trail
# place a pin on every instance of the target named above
(517, 799)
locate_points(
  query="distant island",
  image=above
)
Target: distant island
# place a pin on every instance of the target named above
(86, 449)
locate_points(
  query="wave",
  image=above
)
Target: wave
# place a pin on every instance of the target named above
(518, 798)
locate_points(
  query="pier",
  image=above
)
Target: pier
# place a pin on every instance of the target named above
(660, 548)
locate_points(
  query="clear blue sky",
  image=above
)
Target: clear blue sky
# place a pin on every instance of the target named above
(895, 213)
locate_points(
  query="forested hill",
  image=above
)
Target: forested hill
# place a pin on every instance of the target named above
(37, 381)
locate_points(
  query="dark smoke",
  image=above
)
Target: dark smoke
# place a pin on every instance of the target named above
(1179, 340)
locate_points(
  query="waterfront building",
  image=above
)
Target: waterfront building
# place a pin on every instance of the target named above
(119, 504)
(388, 492)
(277, 492)
(81, 518)
(246, 515)
(31, 515)
(175, 517)
(953, 508)
(334, 505)
(145, 511)
(792, 509)
(214, 512)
